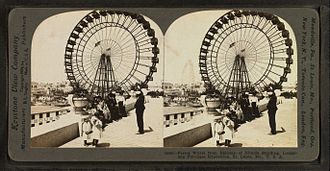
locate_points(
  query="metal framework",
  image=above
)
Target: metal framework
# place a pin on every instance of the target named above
(111, 49)
(245, 49)
(239, 78)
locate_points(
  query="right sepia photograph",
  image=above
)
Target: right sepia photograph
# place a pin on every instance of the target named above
(230, 80)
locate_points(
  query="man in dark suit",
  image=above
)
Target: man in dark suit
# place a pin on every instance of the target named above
(271, 106)
(139, 109)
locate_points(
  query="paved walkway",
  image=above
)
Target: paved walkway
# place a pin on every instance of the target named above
(124, 132)
(256, 132)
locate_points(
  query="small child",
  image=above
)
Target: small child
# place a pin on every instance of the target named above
(86, 130)
(97, 130)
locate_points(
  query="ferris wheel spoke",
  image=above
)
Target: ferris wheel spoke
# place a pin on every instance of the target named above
(227, 51)
(255, 75)
(129, 47)
(142, 38)
(120, 76)
(267, 23)
(96, 34)
(130, 23)
(141, 72)
(145, 42)
(144, 65)
(270, 29)
(89, 49)
(141, 34)
(259, 38)
(144, 50)
(124, 32)
(260, 21)
(279, 51)
(230, 30)
(279, 46)
(266, 46)
(137, 79)
(90, 33)
(127, 42)
(126, 63)
(270, 79)
(274, 40)
(279, 43)
(274, 33)
(275, 73)
(91, 72)
(263, 54)
(137, 30)
(128, 38)
(135, 27)
(128, 54)
(225, 76)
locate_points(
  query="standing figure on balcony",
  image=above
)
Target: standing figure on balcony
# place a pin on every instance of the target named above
(244, 102)
(272, 108)
(254, 105)
(111, 103)
(97, 129)
(121, 104)
(139, 109)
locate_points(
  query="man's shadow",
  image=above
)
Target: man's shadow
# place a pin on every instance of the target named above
(148, 130)
(278, 131)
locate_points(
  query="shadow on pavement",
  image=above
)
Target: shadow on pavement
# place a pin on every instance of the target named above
(150, 130)
(103, 145)
(280, 131)
(236, 145)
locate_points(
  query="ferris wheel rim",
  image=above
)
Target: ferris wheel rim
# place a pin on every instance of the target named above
(79, 75)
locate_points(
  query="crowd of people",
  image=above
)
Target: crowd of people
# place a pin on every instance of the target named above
(235, 112)
(241, 110)
(102, 111)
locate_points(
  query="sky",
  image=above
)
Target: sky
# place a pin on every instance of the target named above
(182, 44)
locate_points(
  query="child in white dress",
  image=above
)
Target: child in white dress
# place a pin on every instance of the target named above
(97, 130)
(223, 131)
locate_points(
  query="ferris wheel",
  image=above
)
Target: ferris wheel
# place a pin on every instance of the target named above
(245, 51)
(108, 50)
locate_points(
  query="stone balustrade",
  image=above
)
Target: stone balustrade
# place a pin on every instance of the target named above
(180, 116)
(41, 115)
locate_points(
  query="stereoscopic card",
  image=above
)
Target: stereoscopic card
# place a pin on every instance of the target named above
(164, 84)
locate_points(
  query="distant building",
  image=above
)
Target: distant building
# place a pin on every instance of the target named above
(167, 86)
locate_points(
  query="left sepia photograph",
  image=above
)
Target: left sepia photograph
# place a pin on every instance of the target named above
(96, 81)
